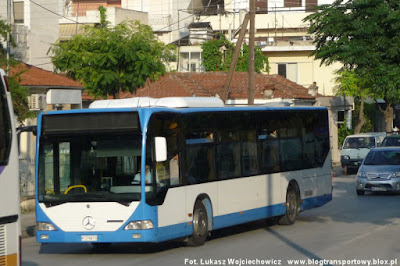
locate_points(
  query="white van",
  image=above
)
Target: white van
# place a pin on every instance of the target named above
(356, 147)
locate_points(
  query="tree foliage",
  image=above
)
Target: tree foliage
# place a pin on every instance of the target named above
(363, 35)
(19, 94)
(4, 29)
(218, 54)
(111, 59)
(343, 132)
(351, 84)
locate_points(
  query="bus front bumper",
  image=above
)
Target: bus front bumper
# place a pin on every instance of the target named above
(97, 237)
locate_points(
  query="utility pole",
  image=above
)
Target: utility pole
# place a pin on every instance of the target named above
(251, 52)
(8, 36)
(225, 91)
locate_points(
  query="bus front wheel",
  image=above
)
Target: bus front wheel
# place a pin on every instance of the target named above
(200, 225)
(292, 206)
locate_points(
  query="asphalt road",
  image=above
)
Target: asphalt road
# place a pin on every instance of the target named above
(350, 230)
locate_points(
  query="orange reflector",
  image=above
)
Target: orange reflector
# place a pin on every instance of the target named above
(190, 223)
(241, 212)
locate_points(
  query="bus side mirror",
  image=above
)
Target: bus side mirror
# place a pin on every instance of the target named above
(161, 149)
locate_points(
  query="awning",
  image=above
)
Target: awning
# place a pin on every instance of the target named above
(67, 31)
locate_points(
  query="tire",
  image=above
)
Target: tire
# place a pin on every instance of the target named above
(292, 206)
(360, 192)
(200, 225)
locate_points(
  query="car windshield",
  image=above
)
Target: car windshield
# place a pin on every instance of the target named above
(391, 141)
(359, 142)
(383, 158)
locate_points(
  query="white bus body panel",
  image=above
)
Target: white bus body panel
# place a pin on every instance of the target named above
(169, 102)
(236, 195)
(69, 216)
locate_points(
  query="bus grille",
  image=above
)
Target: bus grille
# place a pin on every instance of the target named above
(3, 248)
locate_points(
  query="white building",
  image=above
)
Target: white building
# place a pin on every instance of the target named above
(35, 26)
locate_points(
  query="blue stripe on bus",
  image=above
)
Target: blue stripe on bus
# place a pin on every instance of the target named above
(248, 216)
(172, 231)
(315, 202)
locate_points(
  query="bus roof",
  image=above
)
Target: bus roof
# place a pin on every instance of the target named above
(169, 102)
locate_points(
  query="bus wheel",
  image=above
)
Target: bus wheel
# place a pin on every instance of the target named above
(292, 207)
(200, 225)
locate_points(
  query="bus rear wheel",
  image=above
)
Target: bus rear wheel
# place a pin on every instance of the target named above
(292, 206)
(200, 225)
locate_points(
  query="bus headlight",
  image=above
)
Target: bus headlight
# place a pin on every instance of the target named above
(139, 225)
(46, 227)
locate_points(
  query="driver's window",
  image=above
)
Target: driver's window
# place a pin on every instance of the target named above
(65, 165)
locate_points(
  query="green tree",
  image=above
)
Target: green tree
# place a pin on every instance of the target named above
(218, 53)
(352, 84)
(19, 94)
(363, 35)
(112, 59)
(343, 132)
(4, 29)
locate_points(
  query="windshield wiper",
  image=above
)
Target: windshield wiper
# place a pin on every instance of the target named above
(53, 203)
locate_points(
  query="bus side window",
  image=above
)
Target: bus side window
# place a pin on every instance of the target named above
(174, 170)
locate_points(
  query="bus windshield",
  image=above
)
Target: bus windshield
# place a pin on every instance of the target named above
(89, 168)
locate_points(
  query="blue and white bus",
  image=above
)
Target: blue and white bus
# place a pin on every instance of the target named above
(10, 231)
(151, 170)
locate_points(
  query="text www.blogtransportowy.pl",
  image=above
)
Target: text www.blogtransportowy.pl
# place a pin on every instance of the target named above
(320, 262)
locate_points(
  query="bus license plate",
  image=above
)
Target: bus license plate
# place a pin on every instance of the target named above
(89, 238)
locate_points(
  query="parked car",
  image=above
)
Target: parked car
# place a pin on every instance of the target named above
(380, 171)
(391, 140)
(356, 147)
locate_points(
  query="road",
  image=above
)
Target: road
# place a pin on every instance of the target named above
(349, 229)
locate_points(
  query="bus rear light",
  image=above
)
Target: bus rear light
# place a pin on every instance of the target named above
(46, 227)
(139, 225)
(20, 250)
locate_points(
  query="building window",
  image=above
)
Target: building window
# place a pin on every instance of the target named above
(288, 70)
(19, 12)
(190, 62)
(340, 116)
(292, 3)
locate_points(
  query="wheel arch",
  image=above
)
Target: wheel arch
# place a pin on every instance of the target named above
(209, 208)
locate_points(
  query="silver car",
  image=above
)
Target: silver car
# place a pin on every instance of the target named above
(380, 171)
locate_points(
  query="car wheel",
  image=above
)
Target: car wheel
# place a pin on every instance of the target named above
(360, 192)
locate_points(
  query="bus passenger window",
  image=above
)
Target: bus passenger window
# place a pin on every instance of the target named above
(174, 170)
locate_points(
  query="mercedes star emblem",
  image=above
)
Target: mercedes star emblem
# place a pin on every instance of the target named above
(88, 222)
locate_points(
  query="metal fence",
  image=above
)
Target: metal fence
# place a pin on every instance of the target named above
(27, 178)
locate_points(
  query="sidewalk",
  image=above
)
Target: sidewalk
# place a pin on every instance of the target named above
(28, 224)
